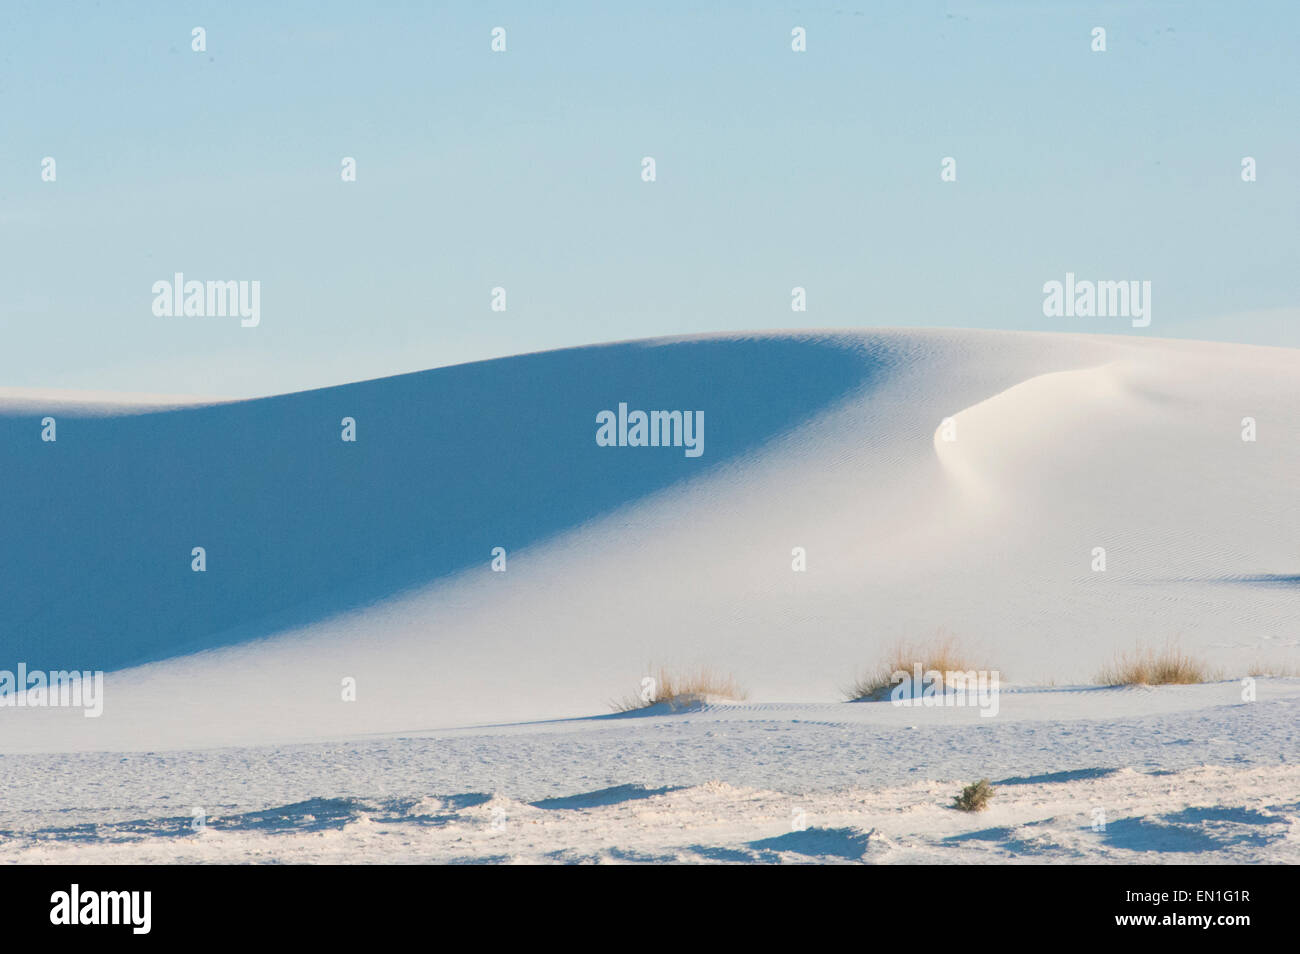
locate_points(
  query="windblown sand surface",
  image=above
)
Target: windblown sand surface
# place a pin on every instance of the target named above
(370, 561)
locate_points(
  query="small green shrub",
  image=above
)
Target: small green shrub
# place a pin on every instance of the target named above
(974, 798)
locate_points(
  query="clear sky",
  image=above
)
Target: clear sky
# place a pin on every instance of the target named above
(522, 169)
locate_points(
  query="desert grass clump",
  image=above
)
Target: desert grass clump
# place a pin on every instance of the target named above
(682, 689)
(1151, 667)
(940, 654)
(1279, 670)
(974, 798)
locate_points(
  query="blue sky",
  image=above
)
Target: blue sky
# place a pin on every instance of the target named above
(522, 169)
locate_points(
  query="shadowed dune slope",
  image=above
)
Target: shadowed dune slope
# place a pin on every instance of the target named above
(99, 525)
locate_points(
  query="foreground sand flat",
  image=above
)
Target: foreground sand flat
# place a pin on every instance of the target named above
(1079, 776)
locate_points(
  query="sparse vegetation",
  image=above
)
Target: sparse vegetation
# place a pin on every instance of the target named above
(974, 798)
(1281, 670)
(940, 654)
(682, 689)
(1150, 667)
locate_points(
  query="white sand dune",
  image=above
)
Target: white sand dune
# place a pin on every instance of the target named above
(43, 401)
(371, 560)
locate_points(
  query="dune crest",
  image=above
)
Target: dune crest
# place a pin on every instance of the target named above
(372, 559)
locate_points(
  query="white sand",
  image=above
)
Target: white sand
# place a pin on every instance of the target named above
(1064, 443)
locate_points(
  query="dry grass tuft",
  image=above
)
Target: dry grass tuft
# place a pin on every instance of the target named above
(1150, 667)
(682, 689)
(1282, 670)
(940, 654)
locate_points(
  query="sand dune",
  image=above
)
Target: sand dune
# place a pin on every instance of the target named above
(371, 560)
